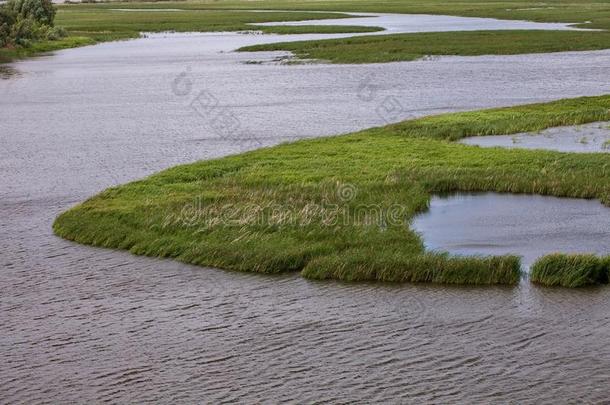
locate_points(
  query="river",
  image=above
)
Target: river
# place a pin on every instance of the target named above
(84, 324)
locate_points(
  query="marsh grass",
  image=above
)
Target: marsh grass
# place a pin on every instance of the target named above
(340, 207)
(408, 47)
(316, 29)
(570, 270)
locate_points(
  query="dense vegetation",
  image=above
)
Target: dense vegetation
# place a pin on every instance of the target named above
(25, 21)
(340, 207)
(571, 270)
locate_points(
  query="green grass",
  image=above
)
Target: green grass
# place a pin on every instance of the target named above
(316, 29)
(103, 18)
(10, 54)
(570, 270)
(407, 47)
(564, 11)
(101, 22)
(340, 207)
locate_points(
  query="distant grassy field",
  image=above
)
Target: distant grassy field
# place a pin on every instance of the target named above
(567, 11)
(340, 207)
(96, 19)
(102, 22)
(406, 47)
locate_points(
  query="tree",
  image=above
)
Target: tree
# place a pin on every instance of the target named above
(7, 19)
(40, 11)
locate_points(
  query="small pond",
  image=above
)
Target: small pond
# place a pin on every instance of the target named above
(530, 226)
(589, 138)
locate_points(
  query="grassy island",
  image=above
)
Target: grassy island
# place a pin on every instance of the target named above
(340, 207)
(408, 47)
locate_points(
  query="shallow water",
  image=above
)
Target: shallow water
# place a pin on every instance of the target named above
(587, 138)
(87, 324)
(411, 23)
(529, 226)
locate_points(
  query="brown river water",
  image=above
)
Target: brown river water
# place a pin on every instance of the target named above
(82, 324)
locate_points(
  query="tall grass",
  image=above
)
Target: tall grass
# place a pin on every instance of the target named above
(570, 270)
(395, 266)
(340, 207)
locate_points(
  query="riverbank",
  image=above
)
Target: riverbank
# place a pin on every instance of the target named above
(339, 208)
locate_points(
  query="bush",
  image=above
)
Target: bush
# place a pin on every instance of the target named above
(40, 11)
(570, 270)
(7, 19)
(55, 33)
(24, 21)
(23, 31)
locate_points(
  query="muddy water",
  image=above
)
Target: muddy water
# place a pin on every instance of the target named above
(529, 226)
(83, 324)
(589, 138)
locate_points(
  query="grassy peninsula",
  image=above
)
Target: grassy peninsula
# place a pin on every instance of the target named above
(340, 207)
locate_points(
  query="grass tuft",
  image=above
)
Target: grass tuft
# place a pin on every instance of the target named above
(570, 270)
(394, 266)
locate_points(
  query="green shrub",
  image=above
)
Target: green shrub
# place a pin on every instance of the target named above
(40, 11)
(23, 31)
(7, 19)
(570, 270)
(55, 33)
(25, 21)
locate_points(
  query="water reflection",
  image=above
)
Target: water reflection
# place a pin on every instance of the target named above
(526, 225)
(589, 138)
(6, 72)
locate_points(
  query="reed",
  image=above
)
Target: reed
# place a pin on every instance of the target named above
(570, 270)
